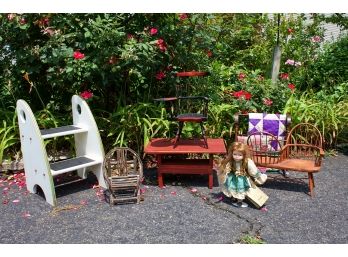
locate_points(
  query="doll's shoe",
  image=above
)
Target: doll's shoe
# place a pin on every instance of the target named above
(240, 204)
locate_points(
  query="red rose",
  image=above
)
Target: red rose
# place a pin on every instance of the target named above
(130, 36)
(241, 76)
(23, 21)
(291, 86)
(267, 101)
(242, 94)
(86, 94)
(153, 31)
(78, 55)
(284, 76)
(183, 16)
(161, 45)
(11, 16)
(247, 95)
(160, 75)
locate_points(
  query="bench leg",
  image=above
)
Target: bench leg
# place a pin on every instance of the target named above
(210, 185)
(159, 174)
(160, 179)
(311, 184)
(210, 176)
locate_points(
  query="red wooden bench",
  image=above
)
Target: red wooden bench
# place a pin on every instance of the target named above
(162, 147)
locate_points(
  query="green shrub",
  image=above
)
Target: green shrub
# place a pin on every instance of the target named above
(329, 112)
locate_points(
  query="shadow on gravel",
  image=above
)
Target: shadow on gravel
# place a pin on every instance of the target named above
(190, 180)
(343, 148)
(72, 184)
(286, 184)
(72, 188)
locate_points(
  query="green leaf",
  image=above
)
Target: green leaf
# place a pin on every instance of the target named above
(69, 69)
(88, 34)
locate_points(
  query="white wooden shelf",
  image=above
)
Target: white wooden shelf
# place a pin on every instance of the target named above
(61, 131)
(89, 148)
(68, 165)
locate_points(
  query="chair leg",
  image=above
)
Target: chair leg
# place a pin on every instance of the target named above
(138, 195)
(178, 133)
(285, 173)
(313, 181)
(203, 135)
(311, 184)
(112, 199)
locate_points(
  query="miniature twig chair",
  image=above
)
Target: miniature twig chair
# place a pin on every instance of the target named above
(123, 173)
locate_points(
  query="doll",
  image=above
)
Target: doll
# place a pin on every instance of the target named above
(235, 172)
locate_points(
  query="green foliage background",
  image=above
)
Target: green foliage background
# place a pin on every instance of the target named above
(123, 57)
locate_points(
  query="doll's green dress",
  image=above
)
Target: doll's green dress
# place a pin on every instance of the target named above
(237, 186)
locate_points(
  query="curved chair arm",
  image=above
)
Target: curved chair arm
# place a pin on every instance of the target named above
(165, 99)
(205, 100)
(169, 103)
(195, 97)
(288, 151)
(288, 120)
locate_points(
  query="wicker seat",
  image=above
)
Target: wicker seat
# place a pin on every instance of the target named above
(264, 148)
(123, 173)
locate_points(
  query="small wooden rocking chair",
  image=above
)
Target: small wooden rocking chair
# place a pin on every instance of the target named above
(123, 173)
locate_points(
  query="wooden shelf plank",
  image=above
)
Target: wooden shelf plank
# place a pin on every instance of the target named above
(61, 131)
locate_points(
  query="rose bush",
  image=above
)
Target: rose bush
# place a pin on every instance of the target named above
(120, 61)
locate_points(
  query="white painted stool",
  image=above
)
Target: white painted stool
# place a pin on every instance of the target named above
(89, 148)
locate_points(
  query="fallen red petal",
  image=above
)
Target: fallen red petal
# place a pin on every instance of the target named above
(15, 201)
(26, 215)
(193, 190)
(220, 198)
(83, 202)
(264, 209)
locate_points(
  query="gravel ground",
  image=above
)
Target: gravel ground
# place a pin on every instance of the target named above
(176, 215)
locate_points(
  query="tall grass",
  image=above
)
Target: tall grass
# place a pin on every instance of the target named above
(328, 112)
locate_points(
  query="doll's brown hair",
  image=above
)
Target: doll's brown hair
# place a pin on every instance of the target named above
(240, 147)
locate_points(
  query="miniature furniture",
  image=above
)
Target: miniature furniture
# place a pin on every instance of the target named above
(89, 148)
(123, 173)
(191, 108)
(264, 148)
(162, 147)
(275, 124)
(302, 152)
(185, 88)
(187, 109)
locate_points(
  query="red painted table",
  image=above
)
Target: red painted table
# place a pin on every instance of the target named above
(162, 147)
